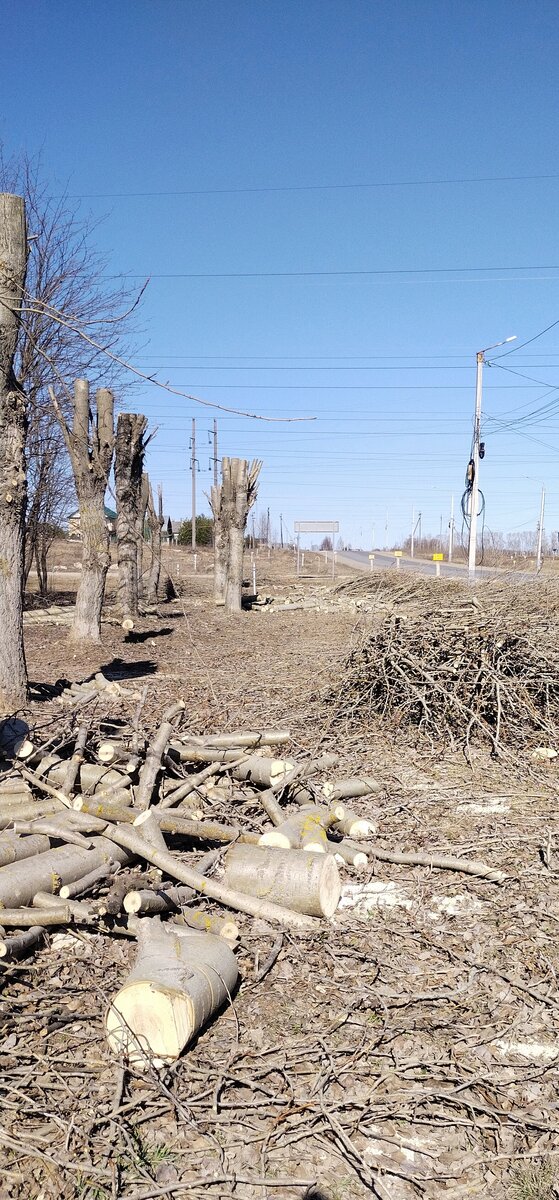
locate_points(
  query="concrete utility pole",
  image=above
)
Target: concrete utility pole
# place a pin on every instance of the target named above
(414, 525)
(451, 530)
(193, 467)
(214, 458)
(540, 533)
(474, 491)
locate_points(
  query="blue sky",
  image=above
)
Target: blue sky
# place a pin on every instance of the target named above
(254, 158)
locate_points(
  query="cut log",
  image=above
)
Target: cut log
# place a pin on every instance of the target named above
(196, 918)
(180, 978)
(155, 751)
(224, 741)
(168, 899)
(306, 883)
(264, 772)
(23, 918)
(28, 811)
(14, 848)
(81, 887)
(20, 881)
(354, 826)
(78, 911)
(351, 789)
(352, 856)
(20, 944)
(304, 830)
(205, 831)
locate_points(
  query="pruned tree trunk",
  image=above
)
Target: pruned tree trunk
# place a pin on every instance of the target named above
(155, 522)
(142, 515)
(179, 979)
(129, 464)
(90, 444)
(231, 502)
(220, 547)
(13, 477)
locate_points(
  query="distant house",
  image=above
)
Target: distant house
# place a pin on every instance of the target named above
(170, 532)
(74, 529)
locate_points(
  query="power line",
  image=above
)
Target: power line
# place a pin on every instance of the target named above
(357, 273)
(529, 341)
(312, 187)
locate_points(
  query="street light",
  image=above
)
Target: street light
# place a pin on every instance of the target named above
(474, 491)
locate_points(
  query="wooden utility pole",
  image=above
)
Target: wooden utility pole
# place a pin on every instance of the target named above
(193, 468)
(90, 444)
(13, 478)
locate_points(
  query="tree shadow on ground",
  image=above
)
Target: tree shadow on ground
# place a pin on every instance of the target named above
(117, 669)
(146, 634)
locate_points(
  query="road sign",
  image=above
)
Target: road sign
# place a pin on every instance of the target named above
(398, 553)
(371, 556)
(317, 526)
(438, 558)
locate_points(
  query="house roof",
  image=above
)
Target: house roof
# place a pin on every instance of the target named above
(109, 513)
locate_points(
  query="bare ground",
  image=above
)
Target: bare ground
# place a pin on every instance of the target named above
(411, 1050)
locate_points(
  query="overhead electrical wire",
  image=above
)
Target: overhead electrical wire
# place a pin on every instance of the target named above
(310, 187)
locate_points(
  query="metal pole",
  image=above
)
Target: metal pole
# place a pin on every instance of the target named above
(474, 494)
(412, 531)
(451, 530)
(540, 533)
(193, 464)
(215, 452)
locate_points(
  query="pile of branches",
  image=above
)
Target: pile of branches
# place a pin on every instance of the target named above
(111, 832)
(463, 668)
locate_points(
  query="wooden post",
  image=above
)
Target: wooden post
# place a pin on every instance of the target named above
(90, 444)
(129, 462)
(13, 478)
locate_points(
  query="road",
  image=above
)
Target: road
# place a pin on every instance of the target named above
(384, 562)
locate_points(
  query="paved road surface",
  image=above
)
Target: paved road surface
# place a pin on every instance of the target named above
(384, 562)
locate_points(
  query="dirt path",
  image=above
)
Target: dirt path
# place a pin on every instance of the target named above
(409, 1051)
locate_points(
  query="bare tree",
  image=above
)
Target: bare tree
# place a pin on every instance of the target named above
(90, 443)
(65, 275)
(231, 502)
(13, 479)
(129, 463)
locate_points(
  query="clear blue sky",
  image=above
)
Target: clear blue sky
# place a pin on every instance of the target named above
(268, 117)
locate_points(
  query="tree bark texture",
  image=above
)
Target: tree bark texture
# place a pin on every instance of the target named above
(13, 477)
(179, 979)
(90, 444)
(155, 522)
(129, 463)
(295, 879)
(231, 503)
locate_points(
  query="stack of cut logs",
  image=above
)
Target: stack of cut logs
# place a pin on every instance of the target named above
(71, 824)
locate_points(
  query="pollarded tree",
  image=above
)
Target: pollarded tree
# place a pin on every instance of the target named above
(231, 502)
(129, 464)
(90, 442)
(69, 290)
(13, 479)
